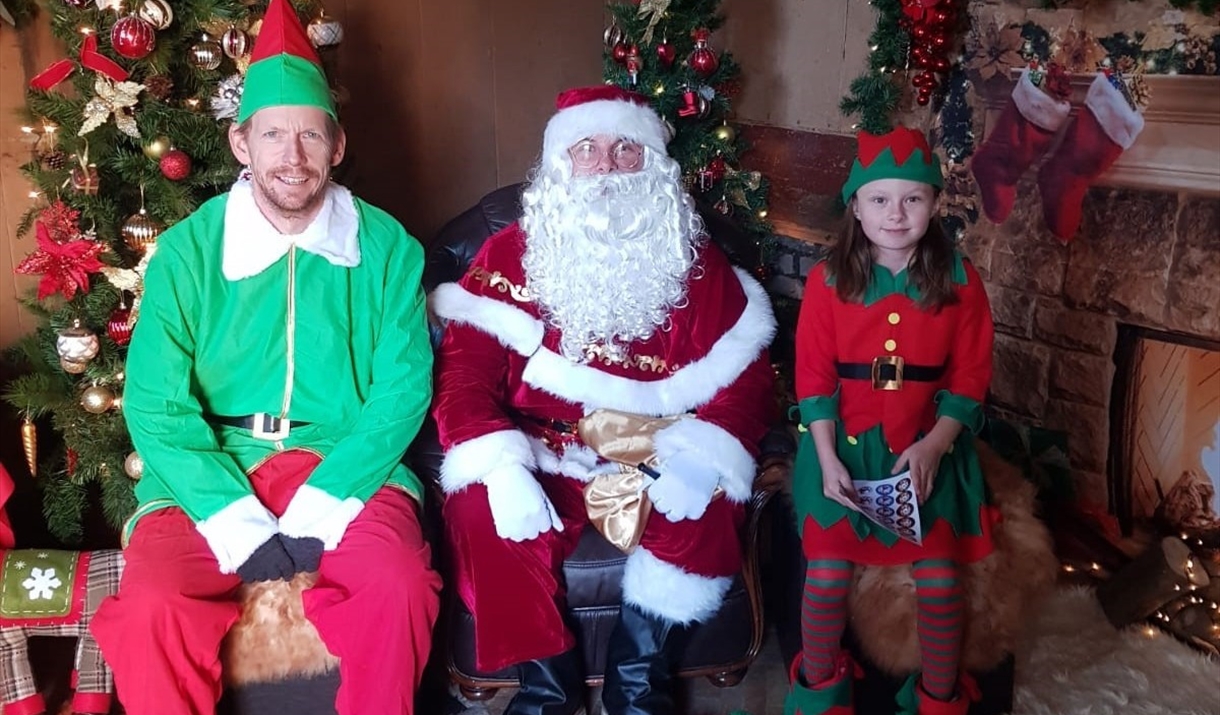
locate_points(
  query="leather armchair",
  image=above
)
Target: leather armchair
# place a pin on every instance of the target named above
(720, 649)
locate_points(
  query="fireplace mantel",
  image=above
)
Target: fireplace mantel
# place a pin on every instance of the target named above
(1179, 149)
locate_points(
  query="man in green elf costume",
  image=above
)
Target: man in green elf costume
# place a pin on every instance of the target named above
(279, 369)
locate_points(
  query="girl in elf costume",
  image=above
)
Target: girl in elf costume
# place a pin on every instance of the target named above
(893, 359)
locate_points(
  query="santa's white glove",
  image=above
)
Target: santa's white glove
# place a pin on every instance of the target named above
(519, 507)
(684, 488)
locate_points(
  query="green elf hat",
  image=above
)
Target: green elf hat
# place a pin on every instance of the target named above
(284, 68)
(901, 154)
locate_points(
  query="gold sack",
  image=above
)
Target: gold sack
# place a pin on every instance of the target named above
(617, 504)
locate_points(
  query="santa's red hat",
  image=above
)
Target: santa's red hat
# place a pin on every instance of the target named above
(602, 109)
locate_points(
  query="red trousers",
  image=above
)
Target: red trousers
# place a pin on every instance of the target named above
(514, 589)
(374, 605)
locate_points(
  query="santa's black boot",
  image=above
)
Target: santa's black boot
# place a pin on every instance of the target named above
(549, 686)
(640, 663)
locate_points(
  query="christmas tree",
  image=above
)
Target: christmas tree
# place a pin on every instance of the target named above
(661, 49)
(130, 135)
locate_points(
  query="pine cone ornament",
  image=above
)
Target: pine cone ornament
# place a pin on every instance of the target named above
(55, 160)
(159, 86)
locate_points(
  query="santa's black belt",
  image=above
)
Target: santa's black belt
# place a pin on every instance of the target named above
(262, 425)
(888, 372)
(561, 426)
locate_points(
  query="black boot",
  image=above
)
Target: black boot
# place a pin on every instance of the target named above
(639, 664)
(549, 686)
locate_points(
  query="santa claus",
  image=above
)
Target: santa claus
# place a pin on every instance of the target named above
(606, 295)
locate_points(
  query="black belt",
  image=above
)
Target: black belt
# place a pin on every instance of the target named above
(262, 424)
(561, 426)
(888, 372)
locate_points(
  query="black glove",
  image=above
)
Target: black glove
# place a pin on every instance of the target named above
(269, 562)
(306, 552)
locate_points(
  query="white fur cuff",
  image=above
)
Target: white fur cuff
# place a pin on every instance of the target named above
(514, 328)
(667, 591)
(716, 447)
(1038, 106)
(234, 532)
(1117, 119)
(469, 462)
(314, 513)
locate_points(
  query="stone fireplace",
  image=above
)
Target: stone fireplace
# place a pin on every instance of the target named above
(1147, 257)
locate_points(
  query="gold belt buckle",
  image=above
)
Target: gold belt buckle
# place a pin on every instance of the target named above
(881, 384)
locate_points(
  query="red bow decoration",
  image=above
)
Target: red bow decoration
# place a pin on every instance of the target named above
(90, 59)
(65, 267)
(918, 9)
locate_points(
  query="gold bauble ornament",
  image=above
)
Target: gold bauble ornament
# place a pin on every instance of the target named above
(29, 444)
(725, 133)
(206, 55)
(97, 399)
(157, 13)
(76, 344)
(134, 466)
(156, 147)
(140, 231)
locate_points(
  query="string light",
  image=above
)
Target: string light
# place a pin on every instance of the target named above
(27, 130)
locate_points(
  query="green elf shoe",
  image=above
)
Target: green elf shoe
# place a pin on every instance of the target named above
(912, 700)
(832, 697)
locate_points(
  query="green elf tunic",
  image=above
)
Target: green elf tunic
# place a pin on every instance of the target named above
(950, 350)
(327, 327)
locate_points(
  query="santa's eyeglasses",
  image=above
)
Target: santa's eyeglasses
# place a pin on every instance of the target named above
(623, 154)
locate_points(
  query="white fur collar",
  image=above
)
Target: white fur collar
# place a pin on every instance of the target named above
(252, 244)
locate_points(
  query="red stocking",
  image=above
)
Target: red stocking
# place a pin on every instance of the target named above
(1023, 132)
(1106, 127)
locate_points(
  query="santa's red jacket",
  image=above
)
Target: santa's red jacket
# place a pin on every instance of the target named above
(500, 370)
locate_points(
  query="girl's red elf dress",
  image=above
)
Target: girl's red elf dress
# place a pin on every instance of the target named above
(885, 370)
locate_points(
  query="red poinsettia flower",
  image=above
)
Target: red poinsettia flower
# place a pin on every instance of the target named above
(65, 267)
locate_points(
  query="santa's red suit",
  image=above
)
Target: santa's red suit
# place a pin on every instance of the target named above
(502, 383)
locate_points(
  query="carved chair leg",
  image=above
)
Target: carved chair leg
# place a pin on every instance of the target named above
(727, 679)
(477, 695)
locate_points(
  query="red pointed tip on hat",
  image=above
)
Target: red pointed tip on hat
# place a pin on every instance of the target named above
(902, 142)
(282, 34)
(599, 92)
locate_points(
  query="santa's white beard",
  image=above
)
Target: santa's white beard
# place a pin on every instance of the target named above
(607, 256)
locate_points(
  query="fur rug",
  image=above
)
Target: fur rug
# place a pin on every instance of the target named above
(272, 640)
(999, 589)
(1073, 662)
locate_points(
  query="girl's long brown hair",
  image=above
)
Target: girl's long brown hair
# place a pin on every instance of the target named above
(850, 264)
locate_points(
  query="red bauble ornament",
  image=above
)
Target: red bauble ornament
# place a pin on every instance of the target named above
(118, 327)
(175, 165)
(666, 53)
(619, 53)
(702, 59)
(923, 98)
(133, 37)
(716, 168)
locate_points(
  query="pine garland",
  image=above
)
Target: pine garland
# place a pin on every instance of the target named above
(99, 443)
(696, 143)
(875, 94)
